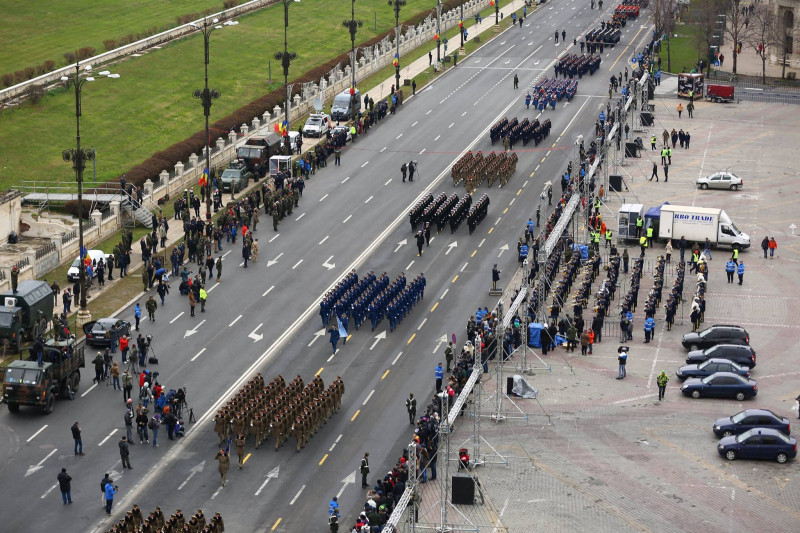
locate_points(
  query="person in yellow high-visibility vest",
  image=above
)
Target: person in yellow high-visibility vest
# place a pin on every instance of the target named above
(650, 236)
(643, 243)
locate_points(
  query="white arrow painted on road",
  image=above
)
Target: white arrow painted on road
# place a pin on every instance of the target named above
(378, 337)
(270, 263)
(401, 244)
(38, 466)
(190, 332)
(346, 481)
(507, 62)
(450, 246)
(441, 340)
(503, 248)
(256, 336)
(327, 264)
(317, 335)
(273, 474)
(195, 469)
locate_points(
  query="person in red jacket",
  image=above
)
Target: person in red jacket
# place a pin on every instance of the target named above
(123, 347)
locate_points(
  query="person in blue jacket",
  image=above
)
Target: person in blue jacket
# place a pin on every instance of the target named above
(730, 268)
(110, 490)
(334, 340)
(649, 326)
(740, 272)
(438, 373)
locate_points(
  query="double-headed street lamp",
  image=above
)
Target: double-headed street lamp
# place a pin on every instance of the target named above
(352, 25)
(397, 5)
(206, 96)
(78, 156)
(496, 4)
(286, 57)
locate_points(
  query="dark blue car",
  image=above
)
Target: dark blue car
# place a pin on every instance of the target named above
(749, 419)
(712, 366)
(720, 385)
(758, 443)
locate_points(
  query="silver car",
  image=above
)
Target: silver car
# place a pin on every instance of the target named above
(721, 180)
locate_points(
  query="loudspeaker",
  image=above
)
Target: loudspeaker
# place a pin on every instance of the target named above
(615, 183)
(463, 490)
(631, 150)
(509, 385)
(647, 118)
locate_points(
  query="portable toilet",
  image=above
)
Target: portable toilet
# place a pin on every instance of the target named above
(628, 214)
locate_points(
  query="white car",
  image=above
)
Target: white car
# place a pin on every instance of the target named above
(317, 125)
(293, 135)
(346, 129)
(721, 180)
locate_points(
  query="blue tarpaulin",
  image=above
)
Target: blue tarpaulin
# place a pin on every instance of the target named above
(655, 212)
(535, 335)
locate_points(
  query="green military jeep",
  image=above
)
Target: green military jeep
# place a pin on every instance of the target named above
(26, 382)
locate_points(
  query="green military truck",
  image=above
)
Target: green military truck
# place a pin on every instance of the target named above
(27, 383)
(26, 312)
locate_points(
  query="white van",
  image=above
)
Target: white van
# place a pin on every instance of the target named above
(74, 273)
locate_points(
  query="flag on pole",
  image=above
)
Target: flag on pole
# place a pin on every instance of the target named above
(436, 36)
(342, 331)
(228, 446)
(461, 24)
(284, 128)
(396, 59)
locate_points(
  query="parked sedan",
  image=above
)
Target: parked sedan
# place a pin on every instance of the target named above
(713, 335)
(98, 333)
(749, 419)
(741, 354)
(721, 385)
(759, 443)
(712, 366)
(721, 180)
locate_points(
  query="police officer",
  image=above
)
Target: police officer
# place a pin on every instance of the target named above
(411, 407)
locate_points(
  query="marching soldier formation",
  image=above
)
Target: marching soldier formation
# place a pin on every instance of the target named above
(134, 521)
(278, 410)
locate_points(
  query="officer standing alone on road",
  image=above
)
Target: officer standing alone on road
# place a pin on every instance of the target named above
(495, 277)
(438, 373)
(411, 407)
(662, 381)
(364, 470)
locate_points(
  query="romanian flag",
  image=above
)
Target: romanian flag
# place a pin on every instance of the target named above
(352, 90)
(436, 36)
(461, 24)
(491, 2)
(203, 181)
(396, 59)
(284, 128)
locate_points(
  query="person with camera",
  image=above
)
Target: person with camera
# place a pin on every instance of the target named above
(109, 491)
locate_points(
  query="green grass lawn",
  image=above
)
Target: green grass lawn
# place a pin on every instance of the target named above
(683, 51)
(35, 31)
(150, 107)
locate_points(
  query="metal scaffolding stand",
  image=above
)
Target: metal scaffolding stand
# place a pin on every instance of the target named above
(477, 401)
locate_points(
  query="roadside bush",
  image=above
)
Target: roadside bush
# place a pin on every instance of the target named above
(49, 65)
(19, 76)
(30, 73)
(85, 53)
(71, 207)
(109, 44)
(34, 93)
(227, 4)
(69, 57)
(7, 80)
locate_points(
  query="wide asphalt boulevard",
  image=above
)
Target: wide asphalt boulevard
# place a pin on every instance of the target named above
(265, 318)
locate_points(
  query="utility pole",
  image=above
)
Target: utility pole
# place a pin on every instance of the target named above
(352, 25)
(286, 57)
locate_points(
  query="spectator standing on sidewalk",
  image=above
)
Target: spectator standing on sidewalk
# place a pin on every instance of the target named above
(622, 358)
(438, 373)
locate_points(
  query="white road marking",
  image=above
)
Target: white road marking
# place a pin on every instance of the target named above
(299, 492)
(451, 125)
(498, 220)
(235, 320)
(482, 241)
(88, 390)
(422, 152)
(48, 491)
(212, 288)
(409, 265)
(323, 197)
(365, 164)
(464, 267)
(107, 437)
(444, 294)
(275, 237)
(525, 184)
(368, 199)
(388, 182)
(464, 113)
(437, 138)
(366, 400)
(301, 216)
(325, 239)
(414, 124)
(198, 355)
(429, 111)
(348, 218)
(176, 318)
(382, 149)
(422, 323)
(226, 254)
(34, 435)
(396, 358)
(268, 291)
(297, 264)
(398, 136)
(512, 201)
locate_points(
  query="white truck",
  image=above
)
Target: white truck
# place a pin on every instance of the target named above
(698, 223)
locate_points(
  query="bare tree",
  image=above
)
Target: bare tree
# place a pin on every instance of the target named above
(664, 21)
(764, 33)
(704, 16)
(736, 27)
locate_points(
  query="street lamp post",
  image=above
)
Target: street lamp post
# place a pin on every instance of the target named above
(496, 12)
(397, 5)
(438, 30)
(206, 97)
(78, 157)
(352, 25)
(461, 26)
(286, 57)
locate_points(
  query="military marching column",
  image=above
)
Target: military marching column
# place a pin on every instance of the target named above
(297, 410)
(134, 521)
